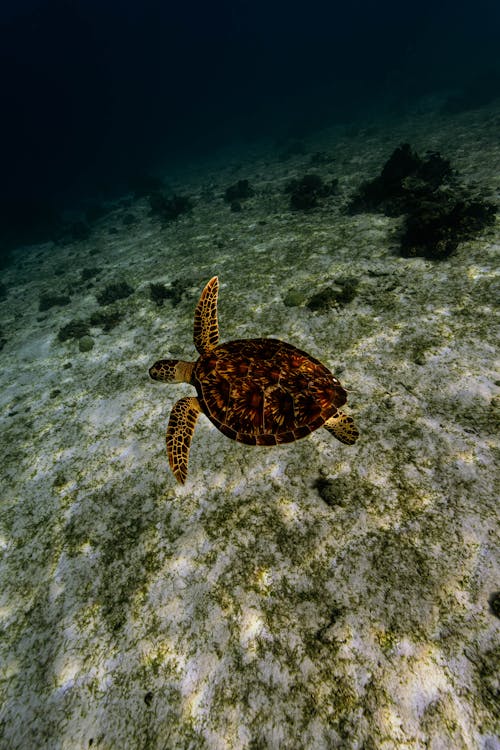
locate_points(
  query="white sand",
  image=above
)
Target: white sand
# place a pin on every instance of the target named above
(241, 610)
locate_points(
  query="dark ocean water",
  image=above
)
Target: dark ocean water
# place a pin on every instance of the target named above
(95, 94)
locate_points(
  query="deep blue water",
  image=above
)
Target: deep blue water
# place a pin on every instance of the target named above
(95, 92)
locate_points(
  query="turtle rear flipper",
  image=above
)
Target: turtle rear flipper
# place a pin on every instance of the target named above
(342, 427)
(180, 430)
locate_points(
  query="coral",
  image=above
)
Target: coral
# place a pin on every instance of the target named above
(89, 273)
(113, 292)
(494, 602)
(437, 220)
(75, 329)
(177, 290)
(50, 299)
(404, 177)
(169, 209)
(434, 228)
(106, 319)
(342, 292)
(240, 191)
(159, 292)
(304, 193)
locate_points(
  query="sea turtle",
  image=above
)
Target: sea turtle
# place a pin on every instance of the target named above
(256, 391)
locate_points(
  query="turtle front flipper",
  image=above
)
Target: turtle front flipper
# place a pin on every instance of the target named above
(342, 427)
(180, 430)
(206, 327)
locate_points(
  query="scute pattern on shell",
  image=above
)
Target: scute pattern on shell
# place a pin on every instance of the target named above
(265, 391)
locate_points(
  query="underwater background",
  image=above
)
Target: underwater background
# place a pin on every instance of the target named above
(338, 167)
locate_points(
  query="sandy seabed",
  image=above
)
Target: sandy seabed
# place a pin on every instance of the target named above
(309, 596)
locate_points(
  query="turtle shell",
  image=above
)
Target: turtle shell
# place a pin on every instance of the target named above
(265, 391)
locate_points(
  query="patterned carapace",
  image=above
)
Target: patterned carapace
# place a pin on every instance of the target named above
(265, 391)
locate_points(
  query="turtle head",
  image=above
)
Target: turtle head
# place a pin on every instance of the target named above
(172, 371)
